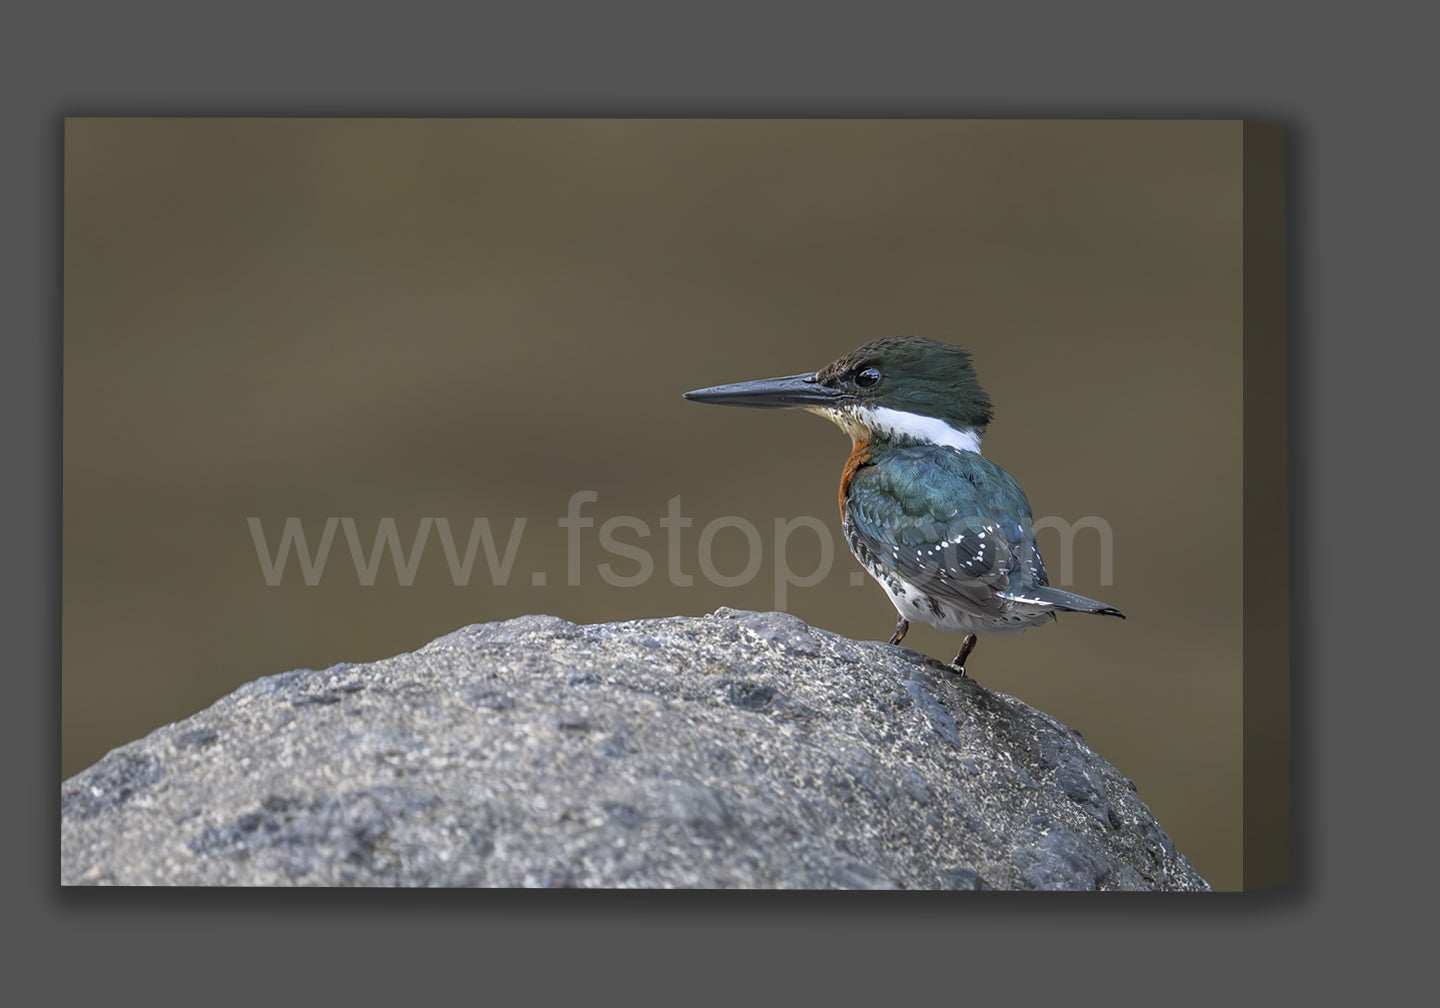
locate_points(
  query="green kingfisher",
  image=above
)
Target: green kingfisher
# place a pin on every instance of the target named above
(947, 533)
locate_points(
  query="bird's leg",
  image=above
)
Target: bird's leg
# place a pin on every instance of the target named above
(901, 625)
(966, 647)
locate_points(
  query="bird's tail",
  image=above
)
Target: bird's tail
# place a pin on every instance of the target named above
(1069, 601)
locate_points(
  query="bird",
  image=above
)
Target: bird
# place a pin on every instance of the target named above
(946, 532)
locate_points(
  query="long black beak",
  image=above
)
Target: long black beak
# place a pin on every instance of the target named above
(771, 393)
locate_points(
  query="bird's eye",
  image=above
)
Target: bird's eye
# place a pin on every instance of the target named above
(868, 378)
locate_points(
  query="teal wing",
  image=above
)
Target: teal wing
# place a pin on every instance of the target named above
(952, 522)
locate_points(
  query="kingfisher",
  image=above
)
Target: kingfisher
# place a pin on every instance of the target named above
(946, 532)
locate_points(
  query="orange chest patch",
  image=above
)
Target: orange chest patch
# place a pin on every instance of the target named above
(859, 456)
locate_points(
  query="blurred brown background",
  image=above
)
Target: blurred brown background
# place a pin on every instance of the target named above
(462, 318)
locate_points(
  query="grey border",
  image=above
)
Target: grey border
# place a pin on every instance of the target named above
(1355, 117)
(1268, 809)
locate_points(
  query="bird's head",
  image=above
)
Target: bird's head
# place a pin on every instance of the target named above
(898, 388)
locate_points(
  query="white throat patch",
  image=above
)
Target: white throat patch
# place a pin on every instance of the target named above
(921, 428)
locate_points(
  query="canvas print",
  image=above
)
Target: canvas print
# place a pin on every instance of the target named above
(404, 544)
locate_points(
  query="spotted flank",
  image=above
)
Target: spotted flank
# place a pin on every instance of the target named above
(948, 535)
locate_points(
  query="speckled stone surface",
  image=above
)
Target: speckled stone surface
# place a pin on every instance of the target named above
(735, 750)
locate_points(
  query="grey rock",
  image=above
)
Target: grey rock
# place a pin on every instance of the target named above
(735, 750)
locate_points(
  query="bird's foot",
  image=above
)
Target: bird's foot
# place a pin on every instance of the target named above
(965, 648)
(902, 625)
